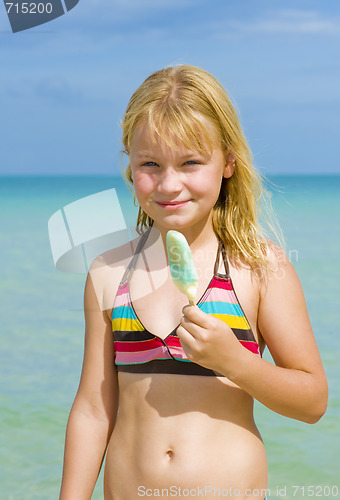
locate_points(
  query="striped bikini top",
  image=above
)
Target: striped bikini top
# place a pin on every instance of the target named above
(139, 351)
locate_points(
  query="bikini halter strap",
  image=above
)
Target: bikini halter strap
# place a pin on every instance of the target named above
(132, 263)
(221, 250)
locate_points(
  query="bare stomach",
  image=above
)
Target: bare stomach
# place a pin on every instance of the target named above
(184, 436)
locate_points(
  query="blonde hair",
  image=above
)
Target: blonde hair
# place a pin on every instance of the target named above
(172, 102)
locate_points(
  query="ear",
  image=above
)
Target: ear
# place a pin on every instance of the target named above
(229, 167)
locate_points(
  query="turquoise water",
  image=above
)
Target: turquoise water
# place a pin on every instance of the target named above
(42, 335)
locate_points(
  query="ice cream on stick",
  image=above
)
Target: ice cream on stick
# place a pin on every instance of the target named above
(182, 267)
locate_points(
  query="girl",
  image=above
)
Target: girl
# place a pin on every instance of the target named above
(184, 377)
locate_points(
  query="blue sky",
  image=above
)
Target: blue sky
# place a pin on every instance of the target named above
(64, 85)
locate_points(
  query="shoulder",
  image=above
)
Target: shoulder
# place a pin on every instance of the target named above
(105, 274)
(280, 277)
(278, 261)
(271, 264)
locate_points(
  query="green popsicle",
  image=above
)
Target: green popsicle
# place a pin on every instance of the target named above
(182, 267)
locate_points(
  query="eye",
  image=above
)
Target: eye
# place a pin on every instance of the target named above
(149, 164)
(191, 163)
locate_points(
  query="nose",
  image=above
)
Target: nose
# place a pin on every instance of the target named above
(169, 181)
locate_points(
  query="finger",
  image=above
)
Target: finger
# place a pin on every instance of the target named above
(186, 338)
(190, 326)
(197, 316)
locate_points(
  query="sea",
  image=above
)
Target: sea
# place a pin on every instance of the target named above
(42, 334)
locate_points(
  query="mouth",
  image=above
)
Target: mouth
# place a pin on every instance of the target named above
(172, 205)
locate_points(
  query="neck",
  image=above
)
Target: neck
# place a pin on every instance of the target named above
(198, 236)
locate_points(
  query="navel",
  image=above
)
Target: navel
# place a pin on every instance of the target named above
(170, 455)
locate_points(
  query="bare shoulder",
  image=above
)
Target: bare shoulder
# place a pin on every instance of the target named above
(105, 274)
(279, 267)
(283, 317)
(282, 280)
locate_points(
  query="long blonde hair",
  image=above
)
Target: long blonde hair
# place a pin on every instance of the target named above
(172, 101)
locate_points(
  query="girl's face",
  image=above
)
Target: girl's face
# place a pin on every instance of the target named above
(178, 187)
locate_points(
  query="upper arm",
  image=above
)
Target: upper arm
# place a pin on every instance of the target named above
(98, 388)
(283, 319)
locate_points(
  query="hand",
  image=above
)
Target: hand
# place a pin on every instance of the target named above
(207, 340)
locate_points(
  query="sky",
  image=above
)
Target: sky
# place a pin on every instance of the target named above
(64, 85)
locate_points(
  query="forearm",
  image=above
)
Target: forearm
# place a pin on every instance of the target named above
(296, 387)
(293, 393)
(86, 441)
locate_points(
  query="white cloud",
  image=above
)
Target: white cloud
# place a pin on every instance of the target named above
(289, 22)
